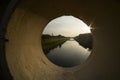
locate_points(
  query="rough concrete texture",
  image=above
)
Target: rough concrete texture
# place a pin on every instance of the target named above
(24, 54)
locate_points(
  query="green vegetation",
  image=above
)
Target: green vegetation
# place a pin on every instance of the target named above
(86, 40)
(50, 42)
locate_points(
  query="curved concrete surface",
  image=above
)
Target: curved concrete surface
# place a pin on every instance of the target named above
(26, 59)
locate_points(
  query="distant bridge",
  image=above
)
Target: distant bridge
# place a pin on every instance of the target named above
(71, 39)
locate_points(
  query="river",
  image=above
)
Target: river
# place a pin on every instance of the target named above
(69, 54)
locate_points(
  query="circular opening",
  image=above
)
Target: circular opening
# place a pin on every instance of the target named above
(67, 41)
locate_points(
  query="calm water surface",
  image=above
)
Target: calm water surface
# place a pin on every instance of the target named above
(68, 54)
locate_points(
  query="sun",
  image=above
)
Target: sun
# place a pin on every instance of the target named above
(87, 29)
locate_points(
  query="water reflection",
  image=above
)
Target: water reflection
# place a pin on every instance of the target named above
(69, 54)
(67, 41)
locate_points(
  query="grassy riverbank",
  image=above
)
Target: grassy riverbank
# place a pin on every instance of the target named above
(51, 42)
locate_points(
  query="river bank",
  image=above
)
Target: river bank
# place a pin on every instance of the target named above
(86, 40)
(50, 42)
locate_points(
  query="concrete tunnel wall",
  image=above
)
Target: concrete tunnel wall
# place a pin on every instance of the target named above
(24, 54)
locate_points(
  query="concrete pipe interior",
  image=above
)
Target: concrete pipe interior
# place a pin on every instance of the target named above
(24, 54)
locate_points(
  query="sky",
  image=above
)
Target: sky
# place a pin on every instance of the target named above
(68, 26)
